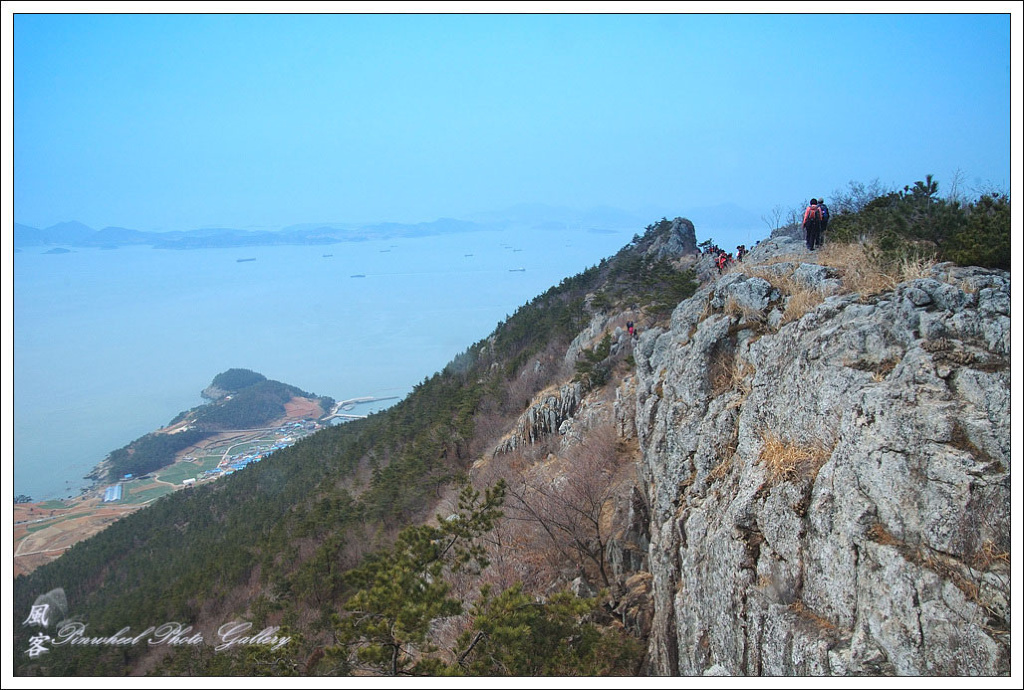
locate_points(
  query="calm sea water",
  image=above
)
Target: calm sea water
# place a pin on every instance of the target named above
(109, 345)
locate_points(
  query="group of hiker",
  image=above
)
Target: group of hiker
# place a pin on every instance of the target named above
(724, 259)
(815, 223)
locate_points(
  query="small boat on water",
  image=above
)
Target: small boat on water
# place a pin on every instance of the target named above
(327, 256)
(241, 260)
(359, 275)
(517, 270)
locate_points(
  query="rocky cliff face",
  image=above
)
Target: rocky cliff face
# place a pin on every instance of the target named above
(824, 470)
(828, 491)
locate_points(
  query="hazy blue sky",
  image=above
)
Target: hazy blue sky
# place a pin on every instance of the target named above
(165, 122)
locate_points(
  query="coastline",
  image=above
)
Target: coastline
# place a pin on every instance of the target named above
(43, 530)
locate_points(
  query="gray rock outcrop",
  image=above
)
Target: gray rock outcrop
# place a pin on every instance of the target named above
(829, 494)
(678, 239)
(545, 416)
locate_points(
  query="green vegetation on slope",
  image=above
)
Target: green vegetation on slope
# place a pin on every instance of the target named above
(150, 452)
(236, 379)
(916, 223)
(251, 407)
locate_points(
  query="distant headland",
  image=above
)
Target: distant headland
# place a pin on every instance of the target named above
(246, 418)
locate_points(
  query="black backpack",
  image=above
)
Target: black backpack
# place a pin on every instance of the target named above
(824, 212)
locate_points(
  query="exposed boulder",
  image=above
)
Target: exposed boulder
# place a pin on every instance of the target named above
(214, 393)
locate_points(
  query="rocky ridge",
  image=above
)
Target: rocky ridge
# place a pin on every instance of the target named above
(824, 475)
(828, 494)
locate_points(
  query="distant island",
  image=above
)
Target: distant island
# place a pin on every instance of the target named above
(78, 235)
(240, 399)
(73, 234)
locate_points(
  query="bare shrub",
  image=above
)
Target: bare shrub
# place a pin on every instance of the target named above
(565, 500)
(521, 389)
(490, 423)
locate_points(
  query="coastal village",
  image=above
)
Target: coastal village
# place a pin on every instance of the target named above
(226, 455)
(44, 530)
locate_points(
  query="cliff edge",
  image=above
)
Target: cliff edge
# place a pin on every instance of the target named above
(827, 469)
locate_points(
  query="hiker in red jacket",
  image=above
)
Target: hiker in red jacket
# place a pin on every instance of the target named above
(812, 225)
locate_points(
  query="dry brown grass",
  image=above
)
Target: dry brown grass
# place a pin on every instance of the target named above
(990, 555)
(742, 373)
(859, 268)
(721, 366)
(880, 535)
(746, 316)
(732, 307)
(880, 369)
(917, 267)
(801, 301)
(707, 311)
(806, 613)
(785, 459)
(861, 271)
(950, 569)
(721, 469)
